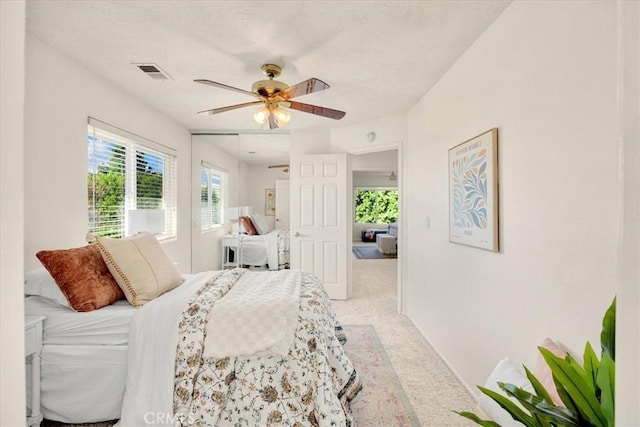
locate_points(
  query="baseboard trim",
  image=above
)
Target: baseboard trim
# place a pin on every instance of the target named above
(469, 389)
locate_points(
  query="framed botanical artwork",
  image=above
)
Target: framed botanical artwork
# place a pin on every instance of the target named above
(270, 201)
(473, 192)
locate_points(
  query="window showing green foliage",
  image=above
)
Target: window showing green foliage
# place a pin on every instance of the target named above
(129, 187)
(212, 184)
(376, 206)
(149, 185)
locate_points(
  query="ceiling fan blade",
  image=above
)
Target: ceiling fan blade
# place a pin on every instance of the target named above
(277, 166)
(224, 86)
(304, 88)
(227, 108)
(314, 109)
(272, 122)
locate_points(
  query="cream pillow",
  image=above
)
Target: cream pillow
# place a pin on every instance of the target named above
(140, 266)
(260, 223)
(505, 372)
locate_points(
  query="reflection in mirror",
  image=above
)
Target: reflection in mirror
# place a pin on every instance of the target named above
(215, 183)
(240, 201)
(264, 194)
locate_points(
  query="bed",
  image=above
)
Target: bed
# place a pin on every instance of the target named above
(269, 251)
(79, 351)
(169, 362)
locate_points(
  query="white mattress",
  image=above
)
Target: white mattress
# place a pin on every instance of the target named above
(106, 326)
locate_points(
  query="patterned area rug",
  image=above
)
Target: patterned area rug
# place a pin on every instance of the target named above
(381, 403)
(370, 252)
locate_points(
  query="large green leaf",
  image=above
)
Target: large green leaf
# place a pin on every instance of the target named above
(540, 408)
(576, 387)
(508, 405)
(473, 417)
(591, 364)
(567, 399)
(578, 369)
(537, 386)
(606, 382)
(608, 335)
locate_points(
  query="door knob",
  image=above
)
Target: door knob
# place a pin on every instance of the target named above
(296, 234)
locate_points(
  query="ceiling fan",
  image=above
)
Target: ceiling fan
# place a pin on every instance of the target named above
(274, 95)
(285, 168)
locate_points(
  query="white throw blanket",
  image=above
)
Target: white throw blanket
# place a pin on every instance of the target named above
(256, 317)
(153, 337)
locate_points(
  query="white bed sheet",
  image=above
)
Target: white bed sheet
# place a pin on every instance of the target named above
(82, 384)
(260, 250)
(151, 369)
(106, 326)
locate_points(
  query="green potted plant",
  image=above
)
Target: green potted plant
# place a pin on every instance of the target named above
(587, 390)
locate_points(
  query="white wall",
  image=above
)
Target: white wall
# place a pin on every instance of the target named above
(389, 133)
(386, 160)
(258, 179)
(628, 303)
(544, 74)
(12, 82)
(309, 142)
(60, 95)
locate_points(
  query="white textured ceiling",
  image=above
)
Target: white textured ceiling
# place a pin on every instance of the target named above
(379, 57)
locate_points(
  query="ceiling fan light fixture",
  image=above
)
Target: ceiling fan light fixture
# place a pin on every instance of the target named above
(261, 115)
(281, 115)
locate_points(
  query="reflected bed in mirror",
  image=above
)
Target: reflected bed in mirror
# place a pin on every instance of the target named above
(254, 245)
(258, 183)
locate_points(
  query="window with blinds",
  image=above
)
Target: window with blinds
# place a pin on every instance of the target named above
(212, 195)
(131, 184)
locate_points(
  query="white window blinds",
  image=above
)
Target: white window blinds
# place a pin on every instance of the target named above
(131, 184)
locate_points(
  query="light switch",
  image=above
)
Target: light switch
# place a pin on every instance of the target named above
(428, 222)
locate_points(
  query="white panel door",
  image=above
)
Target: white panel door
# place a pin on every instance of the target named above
(321, 220)
(282, 204)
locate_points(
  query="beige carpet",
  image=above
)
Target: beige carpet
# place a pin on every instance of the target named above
(431, 388)
(382, 400)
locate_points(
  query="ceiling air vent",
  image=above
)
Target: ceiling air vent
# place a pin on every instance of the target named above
(153, 71)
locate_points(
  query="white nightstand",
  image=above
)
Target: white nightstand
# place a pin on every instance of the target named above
(32, 347)
(230, 253)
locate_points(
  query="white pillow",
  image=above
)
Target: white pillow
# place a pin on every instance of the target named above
(260, 223)
(504, 372)
(39, 282)
(140, 266)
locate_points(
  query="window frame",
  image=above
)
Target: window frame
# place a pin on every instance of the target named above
(101, 135)
(210, 170)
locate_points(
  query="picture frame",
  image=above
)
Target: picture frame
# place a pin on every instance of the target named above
(473, 192)
(270, 201)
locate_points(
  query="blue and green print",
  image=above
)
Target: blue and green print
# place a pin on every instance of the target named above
(469, 190)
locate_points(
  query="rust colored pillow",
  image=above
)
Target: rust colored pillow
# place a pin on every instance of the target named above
(247, 225)
(82, 276)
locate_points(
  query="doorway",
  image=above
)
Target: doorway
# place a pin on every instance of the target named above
(376, 210)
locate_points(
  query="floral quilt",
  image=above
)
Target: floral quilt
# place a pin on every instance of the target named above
(312, 386)
(283, 249)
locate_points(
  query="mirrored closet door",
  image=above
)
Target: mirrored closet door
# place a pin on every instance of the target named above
(240, 211)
